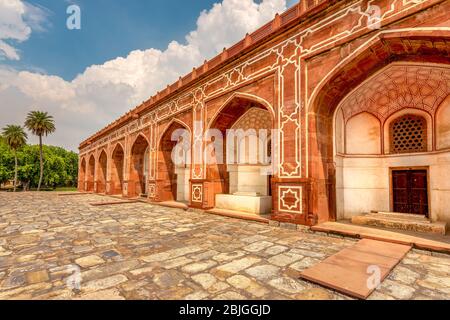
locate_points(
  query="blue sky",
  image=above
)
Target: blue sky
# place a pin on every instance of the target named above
(124, 53)
(110, 28)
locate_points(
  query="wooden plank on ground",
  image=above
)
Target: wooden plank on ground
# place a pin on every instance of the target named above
(351, 270)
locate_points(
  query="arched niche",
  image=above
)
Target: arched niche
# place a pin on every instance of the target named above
(91, 174)
(137, 184)
(101, 172)
(174, 162)
(82, 175)
(363, 135)
(388, 136)
(443, 125)
(117, 164)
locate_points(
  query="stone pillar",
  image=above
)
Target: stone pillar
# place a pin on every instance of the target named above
(152, 175)
(197, 180)
(126, 168)
(290, 186)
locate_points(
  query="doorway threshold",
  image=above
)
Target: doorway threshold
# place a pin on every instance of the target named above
(401, 221)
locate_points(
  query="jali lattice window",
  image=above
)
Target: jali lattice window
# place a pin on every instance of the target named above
(408, 134)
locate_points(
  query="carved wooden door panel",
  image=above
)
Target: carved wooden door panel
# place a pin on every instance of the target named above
(410, 191)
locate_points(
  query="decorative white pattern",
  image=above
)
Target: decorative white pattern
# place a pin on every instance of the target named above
(197, 193)
(299, 45)
(151, 190)
(288, 193)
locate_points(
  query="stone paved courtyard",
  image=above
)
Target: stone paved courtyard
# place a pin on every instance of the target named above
(141, 251)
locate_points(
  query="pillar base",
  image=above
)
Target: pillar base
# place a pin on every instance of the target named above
(244, 203)
(291, 201)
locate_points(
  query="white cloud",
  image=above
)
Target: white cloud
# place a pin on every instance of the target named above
(17, 20)
(103, 92)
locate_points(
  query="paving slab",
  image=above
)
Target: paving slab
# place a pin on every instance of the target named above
(351, 270)
(146, 251)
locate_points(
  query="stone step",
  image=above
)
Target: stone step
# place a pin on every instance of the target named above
(172, 204)
(396, 218)
(404, 216)
(400, 222)
(244, 203)
(238, 215)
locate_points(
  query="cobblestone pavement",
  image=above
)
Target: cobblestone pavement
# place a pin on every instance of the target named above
(140, 251)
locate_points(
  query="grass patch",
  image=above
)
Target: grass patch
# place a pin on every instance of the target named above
(57, 189)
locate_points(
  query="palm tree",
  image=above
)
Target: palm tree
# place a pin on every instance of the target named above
(40, 123)
(15, 137)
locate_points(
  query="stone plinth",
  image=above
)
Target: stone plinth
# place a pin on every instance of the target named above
(245, 203)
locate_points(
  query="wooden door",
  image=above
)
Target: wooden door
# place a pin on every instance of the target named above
(410, 191)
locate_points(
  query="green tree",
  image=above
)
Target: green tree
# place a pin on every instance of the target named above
(6, 162)
(71, 169)
(60, 167)
(40, 123)
(15, 138)
(29, 168)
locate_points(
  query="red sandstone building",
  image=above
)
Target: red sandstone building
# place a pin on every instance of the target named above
(357, 90)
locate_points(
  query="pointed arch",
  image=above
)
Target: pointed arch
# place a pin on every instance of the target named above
(232, 177)
(90, 174)
(140, 135)
(82, 175)
(100, 152)
(324, 167)
(442, 125)
(244, 96)
(340, 80)
(117, 169)
(171, 123)
(117, 144)
(137, 181)
(102, 171)
(174, 176)
(363, 134)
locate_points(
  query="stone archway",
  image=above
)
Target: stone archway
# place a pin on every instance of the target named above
(90, 174)
(101, 172)
(387, 129)
(137, 182)
(238, 164)
(82, 176)
(349, 75)
(117, 163)
(174, 163)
